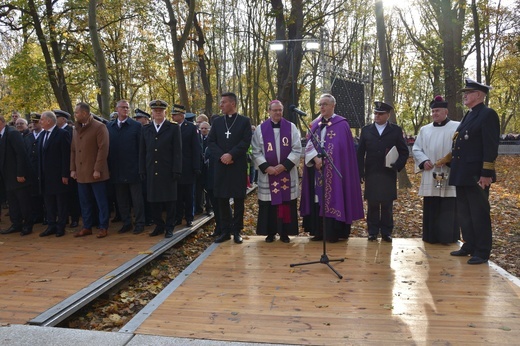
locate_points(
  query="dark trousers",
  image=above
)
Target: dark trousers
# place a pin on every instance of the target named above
(56, 210)
(200, 194)
(157, 210)
(37, 207)
(73, 201)
(474, 218)
(128, 195)
(380, 217)
(231, 223)
(184, 202)
(20, 211)
(91, 194)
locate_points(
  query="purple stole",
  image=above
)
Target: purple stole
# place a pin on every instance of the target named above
(279, 185)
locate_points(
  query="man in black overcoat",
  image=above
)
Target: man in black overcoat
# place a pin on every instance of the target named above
(125, 138)
(228, 140)
(74, 208)
(15, 173)
(375, 141)
(54, 173)
(160, 162)
(31, 145)
(475, 149)
(190, 166)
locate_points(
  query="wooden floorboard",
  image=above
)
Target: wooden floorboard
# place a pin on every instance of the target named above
(406, 292)
(37, 273)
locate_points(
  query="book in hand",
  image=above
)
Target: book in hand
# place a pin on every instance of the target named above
(391, 157)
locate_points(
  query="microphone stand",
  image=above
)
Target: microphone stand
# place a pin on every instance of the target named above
(324, 259)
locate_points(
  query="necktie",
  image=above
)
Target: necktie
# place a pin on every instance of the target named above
(45, 135)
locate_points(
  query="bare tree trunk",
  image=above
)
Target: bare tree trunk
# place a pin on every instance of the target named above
(388, 85)
(290, 59)
(54, 68)
(178, 46)
(206, 85)
(104, 82)
(478, 47)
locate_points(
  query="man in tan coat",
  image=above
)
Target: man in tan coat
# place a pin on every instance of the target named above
(89, 166)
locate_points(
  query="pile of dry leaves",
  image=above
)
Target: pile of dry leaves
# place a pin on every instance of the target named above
(115, 309)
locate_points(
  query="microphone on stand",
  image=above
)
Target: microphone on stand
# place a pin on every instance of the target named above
(297, 111)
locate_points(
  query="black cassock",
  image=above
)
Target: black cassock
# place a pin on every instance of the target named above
(230, 135)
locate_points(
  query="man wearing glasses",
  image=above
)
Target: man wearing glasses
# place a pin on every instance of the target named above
(475, 149)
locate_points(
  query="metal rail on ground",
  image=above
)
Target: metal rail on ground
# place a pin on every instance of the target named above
(67, 307)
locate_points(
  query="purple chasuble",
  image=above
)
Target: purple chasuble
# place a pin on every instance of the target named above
(343, 201)
(279, 185)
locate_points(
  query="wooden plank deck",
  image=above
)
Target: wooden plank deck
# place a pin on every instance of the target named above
(37, 273)
(406, 292)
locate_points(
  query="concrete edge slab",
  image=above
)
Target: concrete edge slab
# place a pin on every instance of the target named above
(25, 335)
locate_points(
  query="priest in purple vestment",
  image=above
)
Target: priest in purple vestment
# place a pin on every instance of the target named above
(276, 152)
(341, 202)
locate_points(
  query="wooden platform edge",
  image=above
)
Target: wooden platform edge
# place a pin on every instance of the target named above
(142, 315)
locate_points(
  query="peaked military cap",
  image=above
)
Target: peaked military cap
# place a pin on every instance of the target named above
(158, 104)
(473, 85)
(190, 116)
(178, 109)
(141, 114)
(382, 107)
(60, 113)
(35, 117)
(438, 102)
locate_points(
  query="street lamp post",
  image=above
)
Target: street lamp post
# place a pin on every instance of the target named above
(279, 45)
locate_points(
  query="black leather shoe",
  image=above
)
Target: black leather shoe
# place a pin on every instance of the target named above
(157, 231)
(74, 224)
(215, 233)
(237, 238)
(26, 230)
(60, 234)
(148, 223)
(12, 229)
(138, 229)
(334, 240)
(48, 231)
(387, 238)
(460, 252)
(372, 237)
(477, 260)
(168, 234)
(222, 238)
(317, 238)
(209, 212)
(125, 228)
(285, 239)
(270, 238)
(189, 223)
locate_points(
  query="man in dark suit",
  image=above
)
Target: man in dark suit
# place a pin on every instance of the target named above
(475, 149)
(14, 171)
(125, 138)
(160, 162)
(375, 141)
(228, 141)
(31, 145)
(74, 208)
(54, 172)
(191, 169)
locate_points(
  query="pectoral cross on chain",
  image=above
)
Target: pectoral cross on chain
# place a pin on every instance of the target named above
(227, 133)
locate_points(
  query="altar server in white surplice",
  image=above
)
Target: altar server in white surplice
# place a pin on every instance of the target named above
(439, 207)
(276, 152)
